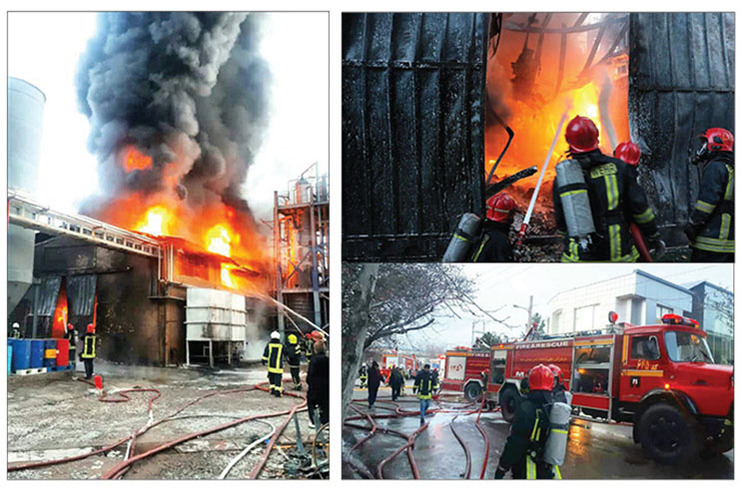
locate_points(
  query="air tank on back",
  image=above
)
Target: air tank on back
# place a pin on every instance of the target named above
(25, 116)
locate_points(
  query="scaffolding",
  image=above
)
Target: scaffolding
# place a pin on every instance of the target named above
(301, 249)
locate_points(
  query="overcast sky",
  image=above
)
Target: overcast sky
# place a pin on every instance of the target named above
(43, 49)
(504, 285)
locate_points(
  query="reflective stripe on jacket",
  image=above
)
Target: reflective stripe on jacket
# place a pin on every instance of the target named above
(88, 346)
(425, 384)
(273, 356)
(713, 213)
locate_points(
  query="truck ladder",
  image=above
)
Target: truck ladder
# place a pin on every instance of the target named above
(26, 212)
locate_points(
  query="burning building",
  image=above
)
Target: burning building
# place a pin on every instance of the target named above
(177, 104)
(438, 107)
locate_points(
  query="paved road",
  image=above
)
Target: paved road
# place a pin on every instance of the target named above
(595, 450)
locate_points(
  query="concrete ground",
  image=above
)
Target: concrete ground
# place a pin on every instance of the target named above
(51, 416)
(596, 450)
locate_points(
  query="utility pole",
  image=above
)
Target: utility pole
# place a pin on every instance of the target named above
(474, 332)
(529, 311)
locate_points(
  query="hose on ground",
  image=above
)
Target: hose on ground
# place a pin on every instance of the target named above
(244, 452)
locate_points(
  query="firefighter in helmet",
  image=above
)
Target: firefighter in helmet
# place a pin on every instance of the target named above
(614, 198)
(71, 335)
(273, 358)
(88, 350)
(711, 227)
(363, 376)
(559, 392)
(425, 386)
(494, 243)
(293, 353)
(524, 446)
(15, 331)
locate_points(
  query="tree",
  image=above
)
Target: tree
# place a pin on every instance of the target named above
(382, 302)
(488, 340)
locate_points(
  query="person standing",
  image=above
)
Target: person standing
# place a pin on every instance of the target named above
(72, 337)
(524, 446)
(374, 379)
(711, 226)
(395, 380)
(15, 331)
(424, 386)
(317, 397)
(559, 392)
(293, 352)
(273, 358)
(494, 243)
(88, 350)
(363, 376)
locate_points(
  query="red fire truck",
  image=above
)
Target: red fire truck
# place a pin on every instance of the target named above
(409, 362)
(662, 378)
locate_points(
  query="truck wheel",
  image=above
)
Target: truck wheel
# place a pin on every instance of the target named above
(509, 402)
(472, 391)
(668, 435)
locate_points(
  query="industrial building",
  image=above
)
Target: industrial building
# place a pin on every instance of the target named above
(156, 300)
(640, 298)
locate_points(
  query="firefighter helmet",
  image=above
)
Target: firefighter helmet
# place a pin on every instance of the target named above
(582, 135)
(541, 378)
(91, 328)
(719, 139)
(16, 325)
(500, 208)
(557, 372)
(292, 339)
(629, 152)
(275, 334)
(70, 326)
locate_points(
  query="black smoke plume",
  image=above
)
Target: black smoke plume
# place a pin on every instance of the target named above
(190, 90)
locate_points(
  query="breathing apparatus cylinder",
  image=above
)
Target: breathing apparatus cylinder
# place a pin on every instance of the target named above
(463, 238)
(574, 198)
(557, 439)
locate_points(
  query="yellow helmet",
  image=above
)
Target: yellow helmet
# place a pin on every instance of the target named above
(292, 339)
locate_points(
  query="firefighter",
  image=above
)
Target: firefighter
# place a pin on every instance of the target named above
(308, 345)
(396, 381)
(317, 397)
(559, 392)
(293, 353)
(88, 350)
(72, 337)
(374, 379)
(524, 446)
(614, 199)
(435, 374)
(494, 244)
(363, 376)
(273, 358)
(711, 226)
(15, 331)
(425, 386)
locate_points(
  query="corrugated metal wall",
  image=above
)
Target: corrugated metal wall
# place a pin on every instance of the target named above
(682, 68)
(412, 131)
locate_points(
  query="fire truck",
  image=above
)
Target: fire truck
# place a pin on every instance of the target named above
(662, 378)
(409, 362)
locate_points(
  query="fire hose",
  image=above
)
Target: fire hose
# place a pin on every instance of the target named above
(123, 466)
(466, 475)
(244, 452)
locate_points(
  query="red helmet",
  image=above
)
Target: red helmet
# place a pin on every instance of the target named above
(582, 134)
(541, 378)
(70, 326)
(719, 139)
(628, 152)
(556, 371)
(500, 208)
(91, 328)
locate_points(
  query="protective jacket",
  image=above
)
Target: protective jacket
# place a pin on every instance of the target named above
(712, 217)
(523, 449)
(425, 384)
(88, 346)
(616, 200)
(396, 378)
(273, 356)
(494, 243)
(293, 354)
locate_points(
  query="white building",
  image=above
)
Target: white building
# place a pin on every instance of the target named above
(638, 298)
(713, 309)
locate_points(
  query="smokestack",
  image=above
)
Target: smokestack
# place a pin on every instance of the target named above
(177, 104)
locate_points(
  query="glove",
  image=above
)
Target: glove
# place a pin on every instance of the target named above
(500, 473)
(690, 231)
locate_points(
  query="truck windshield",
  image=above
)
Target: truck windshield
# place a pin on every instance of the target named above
(687, 347)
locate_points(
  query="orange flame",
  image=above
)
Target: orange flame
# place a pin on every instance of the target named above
(226, 276)
(218, 240)
(135, 159)
(157, 221)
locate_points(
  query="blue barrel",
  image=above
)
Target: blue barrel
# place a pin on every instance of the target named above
(21, 354)
(10, 355)
(50, 353)
(37, 353)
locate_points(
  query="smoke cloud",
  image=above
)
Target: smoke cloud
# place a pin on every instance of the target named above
(190, 90)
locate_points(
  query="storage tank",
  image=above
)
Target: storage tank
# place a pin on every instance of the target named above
(25, 115)
(213, 316)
